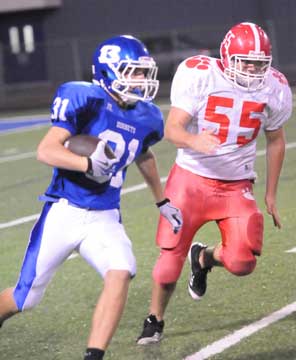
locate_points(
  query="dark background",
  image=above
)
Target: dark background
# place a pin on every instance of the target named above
(66, 35)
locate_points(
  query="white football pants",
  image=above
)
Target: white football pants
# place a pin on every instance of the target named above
(98, 236)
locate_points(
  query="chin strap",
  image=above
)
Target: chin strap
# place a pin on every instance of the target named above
(124, 104)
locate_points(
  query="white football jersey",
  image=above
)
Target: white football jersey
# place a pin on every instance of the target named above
(237, 115)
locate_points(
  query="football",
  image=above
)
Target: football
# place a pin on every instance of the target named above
(85, 145)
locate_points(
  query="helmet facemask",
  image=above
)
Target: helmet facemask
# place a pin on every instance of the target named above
(129, 85)
(239, 70)
(246, 56)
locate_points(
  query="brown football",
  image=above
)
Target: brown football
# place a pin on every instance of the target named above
(85, 145)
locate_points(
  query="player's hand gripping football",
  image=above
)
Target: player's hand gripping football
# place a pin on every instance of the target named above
(171, 213)
(100, 166)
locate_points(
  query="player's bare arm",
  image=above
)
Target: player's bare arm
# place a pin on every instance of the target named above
(175, 132)
(51, 151)
(275, 152)
(147, 165)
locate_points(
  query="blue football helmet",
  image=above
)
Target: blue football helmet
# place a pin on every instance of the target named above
(116, 63)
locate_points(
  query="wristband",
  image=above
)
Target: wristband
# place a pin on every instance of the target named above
(89, 167)
(162, 202)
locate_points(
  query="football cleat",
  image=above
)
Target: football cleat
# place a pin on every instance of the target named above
(152, 331)
(197, 284)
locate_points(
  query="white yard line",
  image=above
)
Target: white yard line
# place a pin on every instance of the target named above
(288, 146)
(293, 250)
(124, 191)
(23, 129)
(25, 118)
(32, 154)
(19, 221)
(15, 157)
(73, 256)
(234, 338)
(33, 217)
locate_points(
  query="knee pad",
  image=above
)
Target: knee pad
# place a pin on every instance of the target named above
(243, 241)
(167, 268)
(241, 267)
(28, 294)
(26, 299)
(255, 232)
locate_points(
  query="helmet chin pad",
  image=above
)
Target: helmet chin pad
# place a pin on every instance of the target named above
(238, 70)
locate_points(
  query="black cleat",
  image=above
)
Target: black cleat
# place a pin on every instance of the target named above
(197, 284)
(152, 331)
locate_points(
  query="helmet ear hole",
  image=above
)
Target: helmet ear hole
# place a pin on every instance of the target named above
(104, 73)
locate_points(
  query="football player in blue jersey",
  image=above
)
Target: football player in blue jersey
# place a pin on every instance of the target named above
(82, 203)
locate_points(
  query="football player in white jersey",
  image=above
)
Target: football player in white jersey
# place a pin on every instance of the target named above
(82, 202)
(218, 108)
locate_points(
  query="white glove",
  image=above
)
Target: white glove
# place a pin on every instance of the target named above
(100, 166)
(171, 213)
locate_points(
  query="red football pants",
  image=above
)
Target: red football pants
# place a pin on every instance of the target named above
(229, 203)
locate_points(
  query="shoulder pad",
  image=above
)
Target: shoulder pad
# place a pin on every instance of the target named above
(81, 88)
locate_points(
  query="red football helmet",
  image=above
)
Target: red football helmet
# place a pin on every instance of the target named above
(246, 55)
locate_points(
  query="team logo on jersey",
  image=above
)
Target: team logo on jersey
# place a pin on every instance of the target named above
(109, 107)
(247, 194)
(199, 62)
(126, 127)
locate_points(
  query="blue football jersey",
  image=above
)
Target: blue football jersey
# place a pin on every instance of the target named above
(85, 108)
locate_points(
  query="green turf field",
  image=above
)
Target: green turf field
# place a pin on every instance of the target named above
(58, 328)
